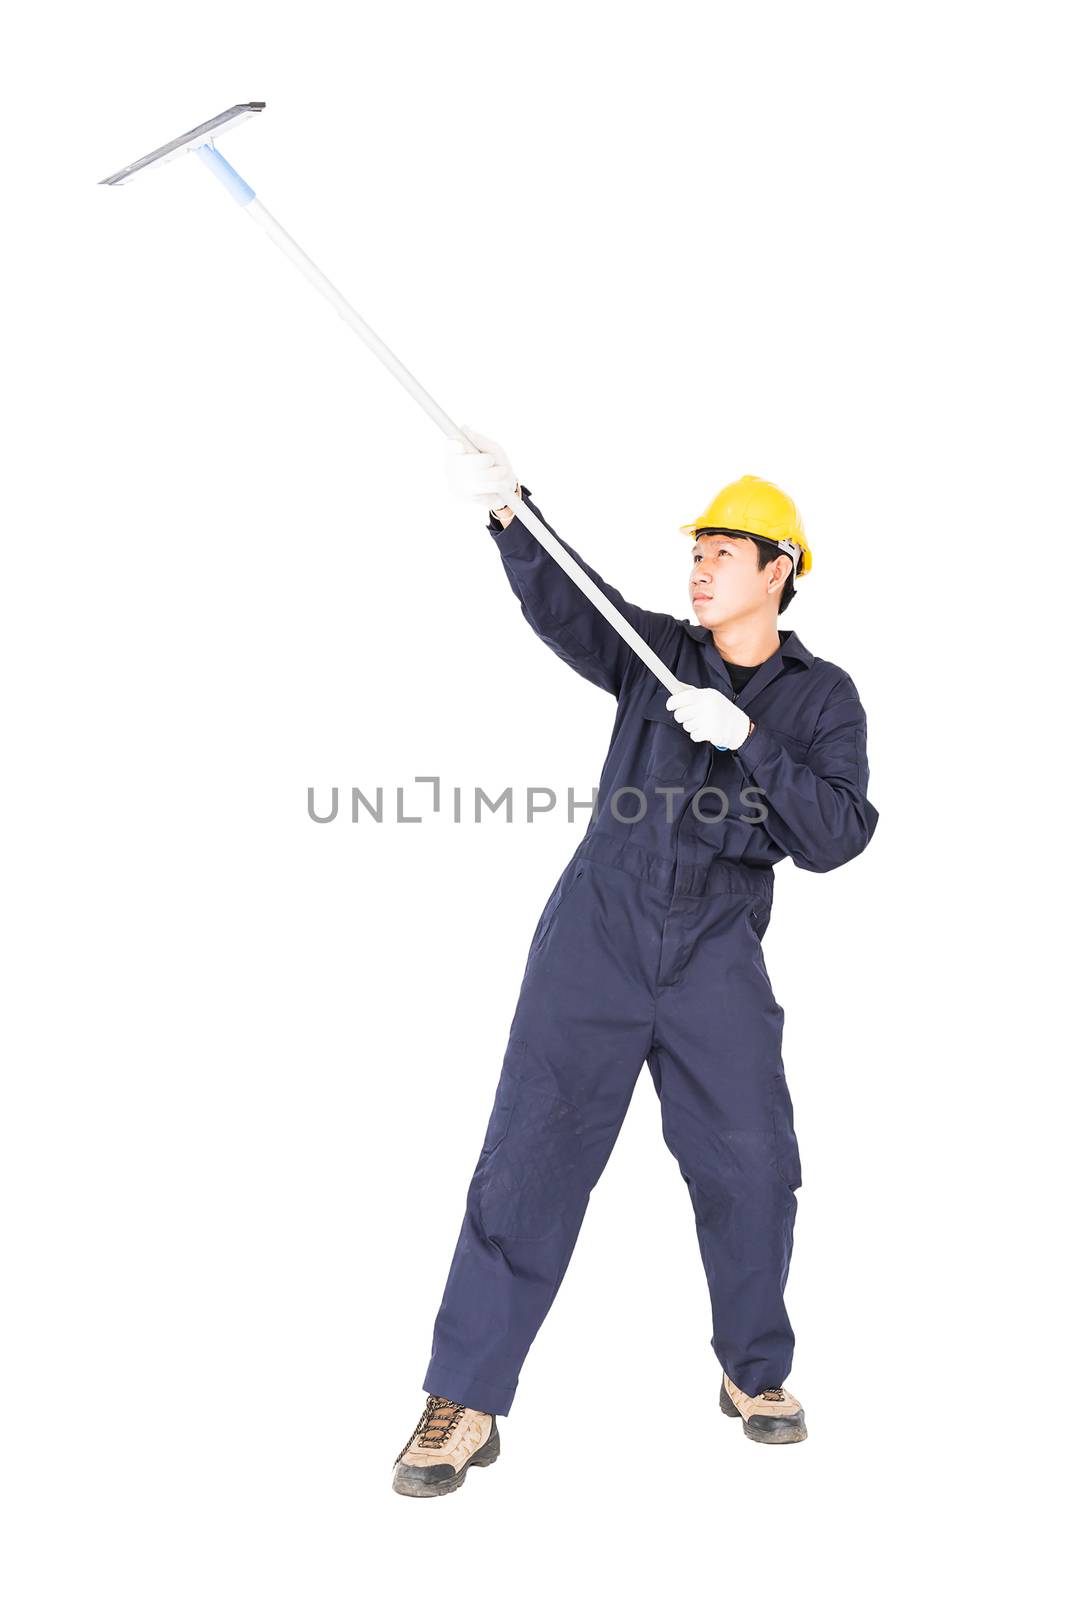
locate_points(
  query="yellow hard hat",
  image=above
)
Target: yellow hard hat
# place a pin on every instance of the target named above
(752, 505)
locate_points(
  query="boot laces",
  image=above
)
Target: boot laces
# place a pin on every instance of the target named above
(436, 1425)
(772, 1394)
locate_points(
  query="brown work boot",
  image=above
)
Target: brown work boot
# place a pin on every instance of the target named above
(772, 1417)
(448, 1439)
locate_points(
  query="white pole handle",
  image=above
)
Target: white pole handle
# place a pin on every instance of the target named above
(258, 212)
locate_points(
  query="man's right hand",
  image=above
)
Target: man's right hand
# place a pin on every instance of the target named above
(484, 475)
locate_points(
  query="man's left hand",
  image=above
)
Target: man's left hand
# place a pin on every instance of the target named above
(705, 714)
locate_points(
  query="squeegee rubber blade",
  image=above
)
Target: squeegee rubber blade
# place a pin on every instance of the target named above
(176, 147)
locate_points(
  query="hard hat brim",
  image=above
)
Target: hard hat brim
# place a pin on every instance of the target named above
(798, 554)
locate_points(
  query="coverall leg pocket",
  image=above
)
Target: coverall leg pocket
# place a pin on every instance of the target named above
(786, 1150)
(533, 1176)
(504, 1104)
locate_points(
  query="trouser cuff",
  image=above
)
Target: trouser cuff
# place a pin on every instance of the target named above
(465, 1390)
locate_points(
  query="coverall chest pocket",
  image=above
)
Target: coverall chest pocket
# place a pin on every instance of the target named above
(669, 748)
(795, 746)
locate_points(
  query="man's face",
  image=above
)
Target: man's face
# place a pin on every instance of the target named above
(726, 581)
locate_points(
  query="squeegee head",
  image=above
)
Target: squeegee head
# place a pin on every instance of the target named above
(187, 141)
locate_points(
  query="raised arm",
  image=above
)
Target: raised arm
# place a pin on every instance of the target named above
(561, 615)
(552, 603)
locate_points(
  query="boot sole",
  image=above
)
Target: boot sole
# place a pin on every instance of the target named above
(421, 1490)
(776, 1430)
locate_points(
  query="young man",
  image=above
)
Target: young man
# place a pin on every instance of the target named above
(649, 949)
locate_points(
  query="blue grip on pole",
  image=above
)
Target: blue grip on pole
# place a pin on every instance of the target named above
(229, 179)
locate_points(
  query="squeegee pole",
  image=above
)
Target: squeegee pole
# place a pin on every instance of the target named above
(257, 211)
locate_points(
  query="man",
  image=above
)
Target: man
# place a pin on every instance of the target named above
(649, 949)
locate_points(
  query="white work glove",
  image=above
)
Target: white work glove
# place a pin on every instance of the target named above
(705, 714)
(485, 474)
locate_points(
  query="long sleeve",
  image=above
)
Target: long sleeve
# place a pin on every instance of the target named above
(561, 615)
(818, 809)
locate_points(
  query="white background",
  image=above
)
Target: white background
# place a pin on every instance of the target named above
(250, 1059)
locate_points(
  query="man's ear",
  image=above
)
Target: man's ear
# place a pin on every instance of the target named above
(778, 574)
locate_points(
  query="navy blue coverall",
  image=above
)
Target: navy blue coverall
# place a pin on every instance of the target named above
(649, 949)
